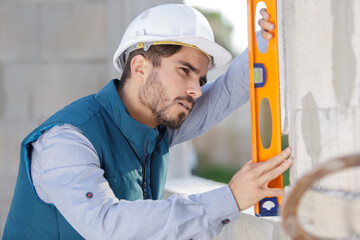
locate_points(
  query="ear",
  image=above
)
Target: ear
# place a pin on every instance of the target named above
(139, 67)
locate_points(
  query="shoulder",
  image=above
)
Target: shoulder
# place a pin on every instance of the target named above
(65, 137)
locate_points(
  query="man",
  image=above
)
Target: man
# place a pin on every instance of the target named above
(96, 169)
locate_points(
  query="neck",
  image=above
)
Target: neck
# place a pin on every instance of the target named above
(129, 96)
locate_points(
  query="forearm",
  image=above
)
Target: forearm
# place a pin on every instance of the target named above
(71, 169)
(179, 217)
(105, 217)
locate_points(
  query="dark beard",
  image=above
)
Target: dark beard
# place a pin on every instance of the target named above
(153, 94)
(161, 114)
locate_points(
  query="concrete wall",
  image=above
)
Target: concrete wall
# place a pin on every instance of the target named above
(52, 53)
(322, 83)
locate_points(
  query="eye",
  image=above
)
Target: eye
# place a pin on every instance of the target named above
(202, 82)
(186, 70)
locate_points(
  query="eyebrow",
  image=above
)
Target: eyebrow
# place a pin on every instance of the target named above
(193, 69)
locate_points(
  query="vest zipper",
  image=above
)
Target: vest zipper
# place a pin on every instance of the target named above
(143, 185)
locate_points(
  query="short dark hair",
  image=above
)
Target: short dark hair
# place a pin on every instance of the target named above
(154, 54)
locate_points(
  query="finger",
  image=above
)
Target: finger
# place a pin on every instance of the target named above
(267, 177)
(268, 26)
(275, 161)
(266, 35)
(248, 162)
(272, 192)
(264, 14)
(256, 164)
(247, 165)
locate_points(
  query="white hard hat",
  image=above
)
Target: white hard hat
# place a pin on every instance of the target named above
(176, 24)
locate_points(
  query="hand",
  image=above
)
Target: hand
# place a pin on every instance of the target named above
(250, 184)
(265, 25)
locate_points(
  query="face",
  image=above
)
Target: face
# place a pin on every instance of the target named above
(171, 89)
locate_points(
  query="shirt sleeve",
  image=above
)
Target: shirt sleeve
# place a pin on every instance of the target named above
(68, 168)
(220, 98)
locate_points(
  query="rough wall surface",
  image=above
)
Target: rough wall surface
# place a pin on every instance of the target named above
(52, 53)
(322, 67)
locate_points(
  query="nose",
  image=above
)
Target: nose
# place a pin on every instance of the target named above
(194, 90)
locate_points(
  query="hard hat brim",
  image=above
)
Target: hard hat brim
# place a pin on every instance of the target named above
(220, 55)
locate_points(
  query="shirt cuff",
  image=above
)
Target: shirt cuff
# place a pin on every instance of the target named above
(221, 205)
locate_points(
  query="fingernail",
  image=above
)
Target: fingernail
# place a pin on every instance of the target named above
(288, 150)
(269, 36)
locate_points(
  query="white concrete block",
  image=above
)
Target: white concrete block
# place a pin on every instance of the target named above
(349, 131)
(308, 44)
(320, 135)
(120, 14)
(7, 184)
(74, 30)
(355, 44)
(35, 91)
(34, 2)
(20, 32)
(303, 161)
(344, 55)
(66, 83)
(322, 87)
(248, 226)
(16, 84)
(13, 132)
(321, 58)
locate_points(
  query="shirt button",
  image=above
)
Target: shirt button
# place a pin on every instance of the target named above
(225, 221)
(89, 195)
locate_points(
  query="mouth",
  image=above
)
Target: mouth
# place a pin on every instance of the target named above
(186, 106)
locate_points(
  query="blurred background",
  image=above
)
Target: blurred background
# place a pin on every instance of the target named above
(226, 147)
(53, 52)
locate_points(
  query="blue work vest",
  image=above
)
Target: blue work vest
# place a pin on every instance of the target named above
(134, 158)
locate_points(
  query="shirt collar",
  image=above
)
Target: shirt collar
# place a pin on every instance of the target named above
(135, 132)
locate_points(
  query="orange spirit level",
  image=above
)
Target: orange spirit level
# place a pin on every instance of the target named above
(264, 85)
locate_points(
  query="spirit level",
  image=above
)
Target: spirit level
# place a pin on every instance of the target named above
(264, 84)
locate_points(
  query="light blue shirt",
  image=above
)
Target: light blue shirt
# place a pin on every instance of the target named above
(63, 152)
